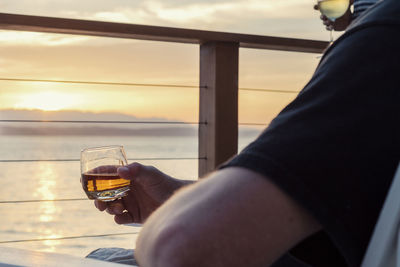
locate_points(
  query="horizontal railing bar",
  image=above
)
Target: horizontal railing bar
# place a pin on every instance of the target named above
(40, 200)
(76, 160)
(100, 83)
(154, 33)
(113, 122)
(65, 237)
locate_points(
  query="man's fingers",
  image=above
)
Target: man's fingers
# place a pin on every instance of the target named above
(325, 18)
(115, 208)
(101, 205)
(123, 218)
(327, 22)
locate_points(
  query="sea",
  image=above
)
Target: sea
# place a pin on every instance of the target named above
(75, 227)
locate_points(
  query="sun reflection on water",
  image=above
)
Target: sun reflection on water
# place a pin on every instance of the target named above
(47, 211)
(50, 245)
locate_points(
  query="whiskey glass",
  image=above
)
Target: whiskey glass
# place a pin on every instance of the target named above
(99, 176)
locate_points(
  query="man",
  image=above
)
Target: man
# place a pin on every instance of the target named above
(309, 190)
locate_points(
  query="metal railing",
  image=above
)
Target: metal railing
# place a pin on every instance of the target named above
(218, 97)
(218, 59)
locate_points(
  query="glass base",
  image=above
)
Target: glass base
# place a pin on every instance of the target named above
(108, 195)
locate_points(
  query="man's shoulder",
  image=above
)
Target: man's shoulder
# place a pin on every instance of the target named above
(378, 23)
(384, 12)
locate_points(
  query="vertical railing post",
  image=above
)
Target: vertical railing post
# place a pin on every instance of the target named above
(218, 137)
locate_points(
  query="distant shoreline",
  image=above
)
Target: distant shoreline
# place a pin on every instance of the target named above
(187, 131)
(85, 129)
(97, 131)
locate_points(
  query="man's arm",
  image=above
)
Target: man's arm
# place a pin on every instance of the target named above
(235, 217)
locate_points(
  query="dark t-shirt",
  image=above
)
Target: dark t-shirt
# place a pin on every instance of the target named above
(335, 148)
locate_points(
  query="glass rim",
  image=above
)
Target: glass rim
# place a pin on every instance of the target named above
(89, 149)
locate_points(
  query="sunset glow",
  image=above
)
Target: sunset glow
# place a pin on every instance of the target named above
(65, 57)
(48, 101)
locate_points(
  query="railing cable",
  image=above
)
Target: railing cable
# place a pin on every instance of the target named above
(65, 237)
(111, 122)
(99, 83)
(76, 160)
(41, 200)
(139, 84)
(129, 122)
(269, 90)
(253, 124)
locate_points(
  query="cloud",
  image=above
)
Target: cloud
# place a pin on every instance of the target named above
(266, 17)
(42, 39)
(293, 18)
(192, 12)
(195, 12)
(181, 10)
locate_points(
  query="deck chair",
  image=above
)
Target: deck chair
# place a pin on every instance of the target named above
(384, 247)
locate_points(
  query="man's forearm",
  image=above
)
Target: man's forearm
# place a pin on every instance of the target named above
(178, 184)
(233, 218)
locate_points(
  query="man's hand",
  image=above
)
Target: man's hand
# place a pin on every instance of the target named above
(148, 190)
(339, 24)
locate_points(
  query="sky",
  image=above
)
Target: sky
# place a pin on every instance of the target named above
(27, 55)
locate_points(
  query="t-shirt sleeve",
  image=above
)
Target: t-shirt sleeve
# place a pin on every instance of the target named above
(334, 149)
(360, 6)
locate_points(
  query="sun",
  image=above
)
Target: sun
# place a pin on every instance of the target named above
(47, 101)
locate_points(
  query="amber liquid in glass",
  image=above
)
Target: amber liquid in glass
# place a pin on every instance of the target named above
(104, 186)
